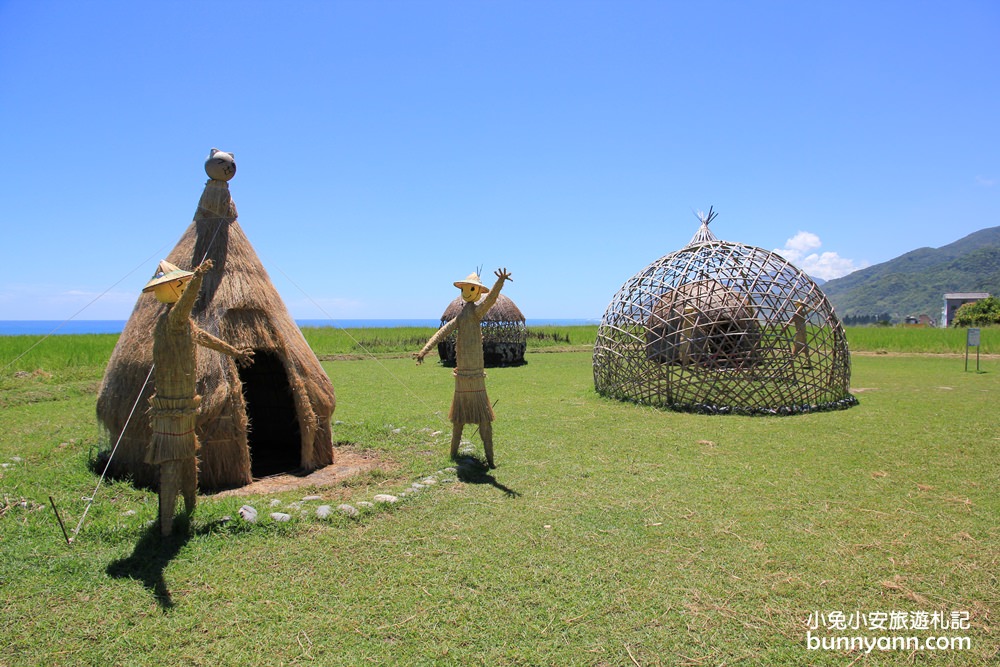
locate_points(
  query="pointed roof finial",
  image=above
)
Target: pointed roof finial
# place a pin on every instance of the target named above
(704, 234)
(706, 219)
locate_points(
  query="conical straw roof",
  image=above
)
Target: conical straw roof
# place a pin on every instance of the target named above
(239, 304)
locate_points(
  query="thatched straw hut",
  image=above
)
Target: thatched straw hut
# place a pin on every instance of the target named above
(723, 327)
(702, 322)
(273, 416)
(505, 335)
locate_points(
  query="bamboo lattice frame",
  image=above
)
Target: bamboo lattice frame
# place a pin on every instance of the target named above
(505, 334)
(721, 327)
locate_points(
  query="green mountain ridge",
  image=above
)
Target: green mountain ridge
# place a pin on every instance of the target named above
(915, 283)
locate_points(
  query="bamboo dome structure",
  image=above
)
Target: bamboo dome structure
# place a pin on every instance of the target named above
(273, 416)
(719, 327)
(505, 335)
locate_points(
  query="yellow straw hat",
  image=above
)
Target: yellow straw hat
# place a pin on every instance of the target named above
(165, 273)
(472, 279)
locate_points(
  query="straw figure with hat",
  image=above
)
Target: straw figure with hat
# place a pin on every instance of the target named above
(470, 404)
(175, 403)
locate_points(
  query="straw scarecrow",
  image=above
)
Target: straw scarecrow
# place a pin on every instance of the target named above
(174, 406)
(470, 404)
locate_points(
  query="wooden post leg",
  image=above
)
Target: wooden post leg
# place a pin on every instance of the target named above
(456, 439)
(486, 431)
(190, 484)
(170, 480)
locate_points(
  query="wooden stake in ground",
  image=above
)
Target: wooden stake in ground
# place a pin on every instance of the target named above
(174, 406)
(470, 404)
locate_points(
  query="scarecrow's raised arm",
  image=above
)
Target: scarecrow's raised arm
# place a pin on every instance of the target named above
(441, 334)
(491, 298)
(180, 315)
(181, 311)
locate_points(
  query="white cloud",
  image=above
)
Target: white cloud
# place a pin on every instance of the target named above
(986, 182)
(799, 245)
(801, 250)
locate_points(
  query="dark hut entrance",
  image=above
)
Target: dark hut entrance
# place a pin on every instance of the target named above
(274, 438)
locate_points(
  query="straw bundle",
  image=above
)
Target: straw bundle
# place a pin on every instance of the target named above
(470, 404)
(240, 305)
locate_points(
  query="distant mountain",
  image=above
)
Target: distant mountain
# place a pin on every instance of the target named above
(915, 283)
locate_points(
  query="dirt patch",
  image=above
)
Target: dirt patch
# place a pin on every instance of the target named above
(347, 463)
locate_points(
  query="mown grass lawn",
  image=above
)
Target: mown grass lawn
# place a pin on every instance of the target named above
(610, 533)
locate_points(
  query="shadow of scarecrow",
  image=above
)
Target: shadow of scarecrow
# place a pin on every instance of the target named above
(152, 553)
(472, 470)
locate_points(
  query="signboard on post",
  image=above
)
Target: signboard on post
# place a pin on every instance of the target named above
(972, 340)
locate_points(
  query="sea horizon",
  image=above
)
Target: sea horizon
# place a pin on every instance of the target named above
(74, 327)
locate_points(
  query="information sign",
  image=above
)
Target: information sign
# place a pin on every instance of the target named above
(972, 340)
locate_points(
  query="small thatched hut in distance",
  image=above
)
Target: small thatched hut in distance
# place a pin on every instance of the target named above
(273, 416)
(505, 335)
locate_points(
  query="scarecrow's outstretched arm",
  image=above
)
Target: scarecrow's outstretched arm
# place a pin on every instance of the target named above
(436, 338)
(491, 298)
(181, 310)
(205, 339)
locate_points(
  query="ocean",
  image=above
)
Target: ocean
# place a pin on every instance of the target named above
(56, 327)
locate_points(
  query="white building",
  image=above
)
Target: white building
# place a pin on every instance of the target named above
(955, 300)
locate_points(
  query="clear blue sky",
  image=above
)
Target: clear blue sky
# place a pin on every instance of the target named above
(386, 149)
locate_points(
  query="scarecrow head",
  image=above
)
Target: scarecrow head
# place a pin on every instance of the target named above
(168, 283)
(220, 165)
(472, 288)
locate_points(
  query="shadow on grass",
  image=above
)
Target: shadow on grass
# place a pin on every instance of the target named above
(472, 470)
(152, 553)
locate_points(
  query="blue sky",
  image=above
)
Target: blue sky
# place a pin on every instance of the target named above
(386, 149)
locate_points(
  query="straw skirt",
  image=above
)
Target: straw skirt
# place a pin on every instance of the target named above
(173, 422)
(470, 404)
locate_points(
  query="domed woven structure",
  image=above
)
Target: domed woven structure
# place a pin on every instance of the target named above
(505, 335)
(719, 327)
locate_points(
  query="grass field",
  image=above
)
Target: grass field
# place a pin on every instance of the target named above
(29, 353)
(920, 340)
(610, 534)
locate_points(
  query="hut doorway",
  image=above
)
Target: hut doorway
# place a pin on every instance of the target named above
(274, 437)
